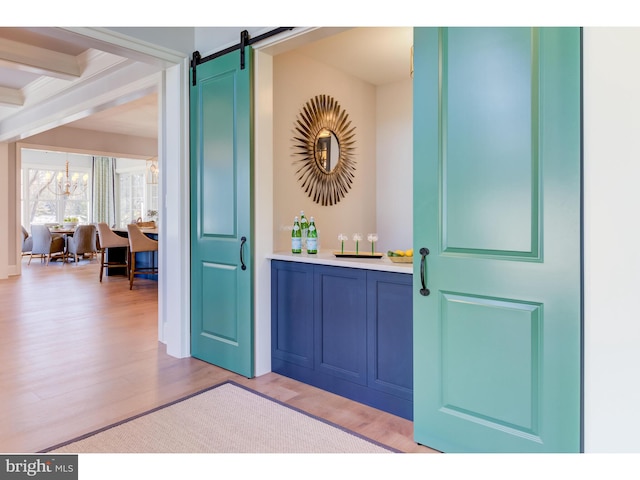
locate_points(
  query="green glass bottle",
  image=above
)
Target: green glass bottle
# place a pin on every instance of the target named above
(296, 237)
(312, 237)
(304, 228)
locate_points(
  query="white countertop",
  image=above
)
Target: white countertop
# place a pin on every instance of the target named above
(328, 258)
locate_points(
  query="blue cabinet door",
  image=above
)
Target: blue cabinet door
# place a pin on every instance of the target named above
(292, 318)
(340, 326)
(389, 339)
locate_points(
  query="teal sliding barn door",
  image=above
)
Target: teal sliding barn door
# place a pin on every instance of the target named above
(221, 215)
(497, 203)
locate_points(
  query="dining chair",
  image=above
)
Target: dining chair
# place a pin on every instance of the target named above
(107, 238)
(139, 242)
(27, 242)
(82, 241)
(45, 243)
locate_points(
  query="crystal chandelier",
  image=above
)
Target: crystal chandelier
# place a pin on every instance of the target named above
(66, 186)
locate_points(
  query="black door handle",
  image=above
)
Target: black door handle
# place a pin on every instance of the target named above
(424, 291)
(242, 242)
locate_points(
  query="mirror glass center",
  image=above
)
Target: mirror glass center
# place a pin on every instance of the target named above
(327, 150)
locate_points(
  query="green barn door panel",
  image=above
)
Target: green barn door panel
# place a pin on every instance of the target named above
(221, 217)
(497, 161)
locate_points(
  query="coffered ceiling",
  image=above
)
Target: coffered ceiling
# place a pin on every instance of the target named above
(40, 64)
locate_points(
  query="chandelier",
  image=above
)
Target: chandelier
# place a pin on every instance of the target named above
(66, 186)
(152, 171)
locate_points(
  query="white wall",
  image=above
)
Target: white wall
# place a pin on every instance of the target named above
(612, 235)
(394, 165)
(263, 210)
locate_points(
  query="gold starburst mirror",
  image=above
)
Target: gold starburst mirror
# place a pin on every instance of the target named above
(323, 146)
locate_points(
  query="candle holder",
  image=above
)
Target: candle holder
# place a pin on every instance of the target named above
(342, 237)
(373, 238)
(356, 238)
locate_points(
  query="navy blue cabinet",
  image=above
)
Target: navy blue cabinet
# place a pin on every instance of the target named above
(143, 259)
(345, 330)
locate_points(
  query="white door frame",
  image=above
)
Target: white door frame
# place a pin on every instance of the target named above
(173, 162)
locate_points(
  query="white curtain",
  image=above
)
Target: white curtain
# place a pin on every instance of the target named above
(104, 199)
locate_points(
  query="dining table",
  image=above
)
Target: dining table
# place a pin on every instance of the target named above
(62, 230)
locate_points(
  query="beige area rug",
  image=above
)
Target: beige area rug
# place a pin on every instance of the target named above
(227, 418)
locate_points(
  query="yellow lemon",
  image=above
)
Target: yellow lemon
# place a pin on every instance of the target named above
(400, 253)
(409, 253)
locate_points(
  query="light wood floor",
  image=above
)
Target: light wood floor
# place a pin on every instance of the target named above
(77, 355)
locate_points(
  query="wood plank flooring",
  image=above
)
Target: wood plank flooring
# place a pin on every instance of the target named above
(77, 355)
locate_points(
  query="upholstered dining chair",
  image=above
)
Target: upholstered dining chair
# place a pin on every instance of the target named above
(27, 242)
(139, 242)
(82, 241)
(107, 238)
(45, 243)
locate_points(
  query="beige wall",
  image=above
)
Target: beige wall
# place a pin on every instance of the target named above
(381, 198)
(296, 80)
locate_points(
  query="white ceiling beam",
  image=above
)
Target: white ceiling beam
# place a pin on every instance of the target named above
(118, 85)
(11, 97)
(41, 61)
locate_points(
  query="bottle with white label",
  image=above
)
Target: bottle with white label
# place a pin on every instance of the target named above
(312, 237)
(304, 228)
(296, 237)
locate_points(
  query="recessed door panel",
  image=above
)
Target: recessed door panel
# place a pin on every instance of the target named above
(490, 360)
(489, 141)
(219, 305)
(341, 334)
(390, 338)
(292, 312)
(218, 201)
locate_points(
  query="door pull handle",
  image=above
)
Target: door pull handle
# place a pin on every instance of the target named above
(242, 242)
(424, 291)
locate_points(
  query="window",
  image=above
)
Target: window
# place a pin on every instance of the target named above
(136, 195)
(131, 197)
(44, 179)
(45, 173)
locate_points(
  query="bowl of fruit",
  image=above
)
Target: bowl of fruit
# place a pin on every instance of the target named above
(401, 256)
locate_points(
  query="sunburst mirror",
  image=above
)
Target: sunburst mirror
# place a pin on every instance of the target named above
(323, 146)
